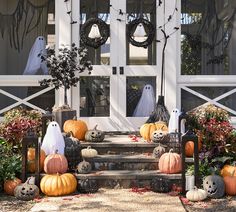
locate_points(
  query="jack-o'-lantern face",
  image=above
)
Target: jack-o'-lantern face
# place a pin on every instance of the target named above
(159, 136)
(214, 186)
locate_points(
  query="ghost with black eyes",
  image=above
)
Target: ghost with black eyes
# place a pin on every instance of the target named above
(53, 140)
(174, 121)
(146, 103)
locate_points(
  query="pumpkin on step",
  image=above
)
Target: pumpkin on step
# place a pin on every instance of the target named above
(170, 163)
(89, 152)
(84, 167)
(94, 135)
(227, 170)
(57, 185)
(77, 127)
(147, 129)
(31, 159)
(55, 163)
(87, 186)
(214, 186)
(160, 136)
(158, 151)
(196, 194)
(26, 191)
(230, 184)
(72, 151)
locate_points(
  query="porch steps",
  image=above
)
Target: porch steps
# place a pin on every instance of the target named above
(124, 163)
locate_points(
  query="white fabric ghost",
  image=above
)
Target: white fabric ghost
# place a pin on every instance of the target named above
(35, 63)
(174, 121)
(146, 103)
(53, 139)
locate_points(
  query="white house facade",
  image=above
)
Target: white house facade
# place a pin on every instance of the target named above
(199, 64)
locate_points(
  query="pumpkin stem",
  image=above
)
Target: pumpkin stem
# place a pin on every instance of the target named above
(232, 173)
(95, 128)
(89, 147)
(171, 150)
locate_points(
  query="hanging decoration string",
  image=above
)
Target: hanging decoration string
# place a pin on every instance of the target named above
(69, 12)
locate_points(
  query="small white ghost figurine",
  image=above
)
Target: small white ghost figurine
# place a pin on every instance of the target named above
(146, 103)
(53, 139)
(174, 121)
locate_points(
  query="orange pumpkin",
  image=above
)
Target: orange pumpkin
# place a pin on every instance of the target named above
(147, 129)
(230, 184)
(227, 170)
(77, 127)
(170, 163)
(57, 185)
(31, 159)
(9, 185)
(55, 163)
(189, 147)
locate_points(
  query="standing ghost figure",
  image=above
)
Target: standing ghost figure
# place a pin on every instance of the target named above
(53, 139)
(174, 121)
(146, 103)
(35, 63)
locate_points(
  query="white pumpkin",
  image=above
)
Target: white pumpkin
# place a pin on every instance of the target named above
(53, 139)
(196, 194)
(89, 152)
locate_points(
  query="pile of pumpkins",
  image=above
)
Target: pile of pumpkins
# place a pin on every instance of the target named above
(215, 186)
(57, 159)
(158, 132)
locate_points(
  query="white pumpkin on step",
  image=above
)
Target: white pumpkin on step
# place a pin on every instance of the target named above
(53, 139)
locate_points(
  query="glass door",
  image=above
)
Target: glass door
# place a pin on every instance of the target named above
(138, 71)
(120, 92)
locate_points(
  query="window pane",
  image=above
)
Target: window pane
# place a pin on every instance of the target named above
(208, 33)
(139, 55)
(26, 27)
(94, 96)
(99, 9)
(140, 96)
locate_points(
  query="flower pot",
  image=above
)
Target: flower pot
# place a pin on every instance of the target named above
(62, 115)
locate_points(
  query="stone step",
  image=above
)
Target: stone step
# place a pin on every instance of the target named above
(119, 144)
(126, 162)
(127, 178)
(120, 162)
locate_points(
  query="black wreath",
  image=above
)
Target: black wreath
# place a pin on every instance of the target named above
(149, 28)
(103, 28)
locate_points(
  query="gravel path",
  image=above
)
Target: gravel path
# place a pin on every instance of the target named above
(111, 200)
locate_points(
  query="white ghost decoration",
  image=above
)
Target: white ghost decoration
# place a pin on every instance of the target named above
(53, 139)
(35, 63)
(146, 103)
(174, 121)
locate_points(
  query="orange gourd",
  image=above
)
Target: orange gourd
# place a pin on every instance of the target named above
(10, 185)
(189, 147)
(170, 163)
(77, 127)
(227, 170)
(55, 163)
(57, 185)
(147, 129)
(31, 159)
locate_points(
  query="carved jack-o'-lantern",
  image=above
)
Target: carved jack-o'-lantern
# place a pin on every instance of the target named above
(158, 151)
(214, 186)
(94, 135)
(84, 167)
(26, 191)
(159, 136)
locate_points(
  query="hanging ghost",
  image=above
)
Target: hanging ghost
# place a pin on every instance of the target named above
(174, 121)
(146, 103)
(53, 139)
(35, 63)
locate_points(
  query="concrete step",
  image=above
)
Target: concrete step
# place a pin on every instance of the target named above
(127, 178)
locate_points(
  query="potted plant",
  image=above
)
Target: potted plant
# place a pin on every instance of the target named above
(62, 68)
